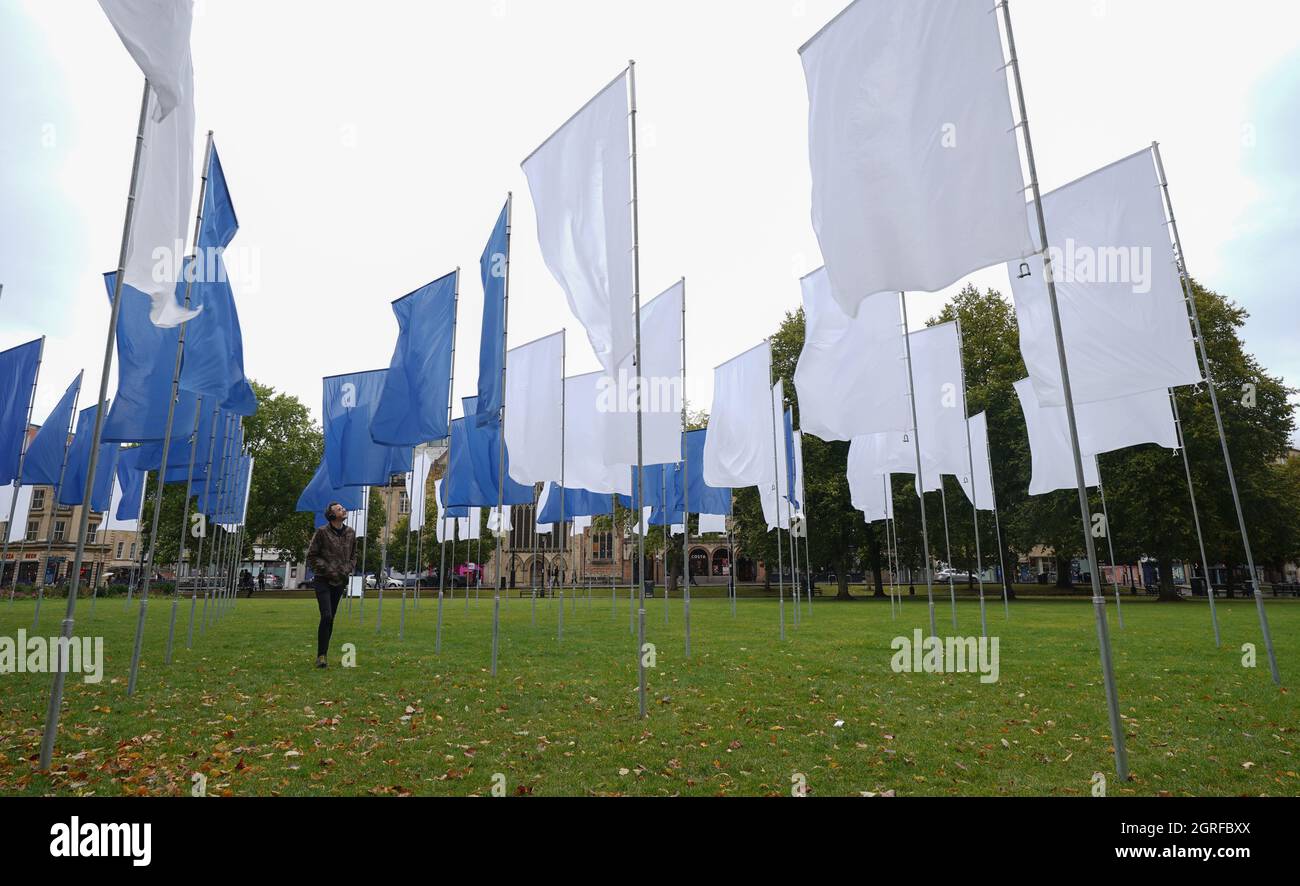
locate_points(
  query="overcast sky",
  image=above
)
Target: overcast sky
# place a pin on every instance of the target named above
(369, 148)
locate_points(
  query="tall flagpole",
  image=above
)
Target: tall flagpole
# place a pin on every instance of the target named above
(1098, 598)
(185, 519)
(424, 519)
(889, 552)
(640, 460)
(58, 490)
(947, 547)
(501, 443)
(997, 528)
(1190, 296)
(564, 357)
(668, 524)
(1105, 516)
(214, 466)
(18, 481)
(731, 554)
(920, 472)
(686, 492)
(1196, 519)
(69, 621)
(776, 491)
(970, 463)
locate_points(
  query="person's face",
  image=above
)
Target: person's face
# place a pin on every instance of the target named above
(340, 514)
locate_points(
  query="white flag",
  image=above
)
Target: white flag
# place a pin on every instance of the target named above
(983, 480)
(534, 402)
(358, 518)
(1050, 453)
(579, 526)
(157, 34)
(581, 184)
(1123, 315)
(585, 429)
(868, 487)
(446, 527)
(713, 524)
(738, 449)
(494, 520)
(852, 375)
(417, 482)
(940, 398)
(798, 474)
(915, 162)
(18, 528)
(662, 386)
(894, 452)
(111, 522)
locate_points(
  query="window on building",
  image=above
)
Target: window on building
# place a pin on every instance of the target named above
(38, 499)
(33, 527)
(132, 550)
(91, 531)
(603, 546)
(121, 545)
(60, 528)
(403, 503)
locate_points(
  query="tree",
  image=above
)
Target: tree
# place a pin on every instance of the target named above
(287, 447)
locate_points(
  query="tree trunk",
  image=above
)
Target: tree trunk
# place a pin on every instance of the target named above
(1004, 557)
(1063, 578)
(767, 578)
(672, 574)
(842, 578)
(875, 565)
(1165, 580)
(1229, 578)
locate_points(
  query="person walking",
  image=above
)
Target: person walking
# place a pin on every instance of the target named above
(332, 558)
(261, 580)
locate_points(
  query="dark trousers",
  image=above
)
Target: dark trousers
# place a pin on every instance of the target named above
(327, 598)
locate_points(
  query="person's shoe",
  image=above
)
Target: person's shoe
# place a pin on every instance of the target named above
(321, 662)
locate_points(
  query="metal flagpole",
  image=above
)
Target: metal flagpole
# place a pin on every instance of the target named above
(1098, 598)
(1196, 519)
(970, 461)
(406, 558)
(207, 490)
(54, 505)
(501, 443)
(448, 528)
(613, 582)
(185, 519)
(424, 519)
(686, 492)
(668, 519)
(776, 491)
(215, 558)
(69, 621)
(365, 533)
(947, 546)
(1190, 296)
(451, 399)
(889, 553)
(731, 556)
(640, 462)
(794, 549)
(807, 552)
(893, 523)
(564, 358)
(920, 472)
(18, 481)
(997, 528)
(1105, 515)
(382, 578)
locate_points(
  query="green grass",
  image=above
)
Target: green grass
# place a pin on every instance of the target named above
(742, 716)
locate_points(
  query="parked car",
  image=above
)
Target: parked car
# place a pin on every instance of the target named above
(954, 574)
(273, 582)
(390, 583)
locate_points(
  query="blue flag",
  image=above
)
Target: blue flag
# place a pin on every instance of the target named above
(231, 507)
(789, 459)
(131, 481)
(146, 362)
(577, 503)
(73, 490)
(492, 268)
(473, 465)
(230, 439)
(416, 394)
(18, 368)
(353, 457)
(319, 495)
(214, 342)
(185, 443)
(703, 498)
(45, 454)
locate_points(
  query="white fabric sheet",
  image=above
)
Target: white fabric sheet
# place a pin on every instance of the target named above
(852, 377)
(417, 481)
(17, 529)
(1121, 303)
(979, 437)
(738, 448)
(940, 398)
(111, 523)
(661, 355)
(915, 164)
(585, 430)
(713, 524)
(581, 184)
(1051, 457)
(534, 408)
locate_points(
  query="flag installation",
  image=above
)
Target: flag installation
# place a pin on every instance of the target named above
(915, 164)
(799, 500)
(157, 35)
(894, 453)
(415, 404)
(234, 505)
(852, 375)
(1111, 425)
(146, 357)
(493, 267)
(354, 458)
(214, 342)
(45, 452)
(774, 493)
(1049, 446)
(581, 183)
(575, 502)
(1122, 309)
(738, 449)
(320, 494)
(18, 369)
(534, 401)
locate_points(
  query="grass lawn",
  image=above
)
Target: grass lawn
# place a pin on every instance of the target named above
(743, 715)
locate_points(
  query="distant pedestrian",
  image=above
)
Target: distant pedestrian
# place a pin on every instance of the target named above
(261, 580)
(332, 558)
